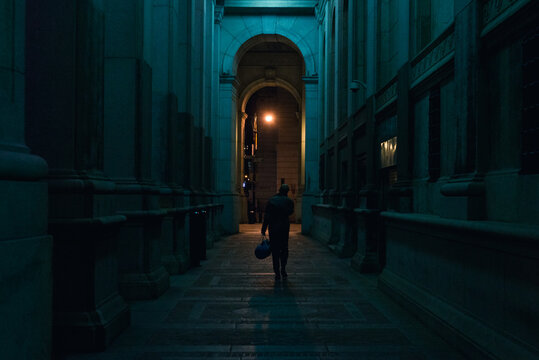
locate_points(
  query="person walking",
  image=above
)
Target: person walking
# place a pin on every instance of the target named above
(278, 209)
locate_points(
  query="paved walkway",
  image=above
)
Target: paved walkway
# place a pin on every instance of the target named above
(231, 308)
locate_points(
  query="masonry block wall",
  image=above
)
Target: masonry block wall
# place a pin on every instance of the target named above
(417, 157)
(96, 91)
(423, 177)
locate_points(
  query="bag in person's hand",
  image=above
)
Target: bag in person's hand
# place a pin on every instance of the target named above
(263, 250)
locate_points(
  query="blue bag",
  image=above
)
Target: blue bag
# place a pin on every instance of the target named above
(263, 250)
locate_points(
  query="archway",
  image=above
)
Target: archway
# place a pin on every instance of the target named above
(235, 51)
(264, 60)
(270, 69)
(271, 150)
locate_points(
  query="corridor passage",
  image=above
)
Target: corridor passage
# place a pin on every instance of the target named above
(231, 308)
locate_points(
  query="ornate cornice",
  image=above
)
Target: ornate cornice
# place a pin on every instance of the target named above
(434, 54)
(387, 94)
(494, 12)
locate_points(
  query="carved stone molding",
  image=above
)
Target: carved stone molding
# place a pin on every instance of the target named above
(218, 14)
(387, 94)
(493, 9)
(433, 54)
(320, 11)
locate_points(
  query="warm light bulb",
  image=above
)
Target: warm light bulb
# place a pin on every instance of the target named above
(268, 118)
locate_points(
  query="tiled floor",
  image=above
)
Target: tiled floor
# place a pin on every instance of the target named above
(231, 308)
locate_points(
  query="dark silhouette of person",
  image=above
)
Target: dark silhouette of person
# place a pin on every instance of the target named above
(278, 209)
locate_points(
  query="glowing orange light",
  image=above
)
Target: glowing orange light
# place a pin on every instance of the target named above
(268, 118)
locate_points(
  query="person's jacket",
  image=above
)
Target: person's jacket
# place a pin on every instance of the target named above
(278, 209)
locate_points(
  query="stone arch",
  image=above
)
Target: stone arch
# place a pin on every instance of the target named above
(245, 39)
(262, 83)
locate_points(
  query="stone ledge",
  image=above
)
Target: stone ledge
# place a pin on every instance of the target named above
(524, 239)
(458, 328)
(467, 188)
(92, 222)
(138, 214)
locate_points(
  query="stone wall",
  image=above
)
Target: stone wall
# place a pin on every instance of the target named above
(25, 246)
(94, 88)
(459, 203)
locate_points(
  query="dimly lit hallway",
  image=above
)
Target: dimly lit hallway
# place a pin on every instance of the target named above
(231, 308)
(136, 134)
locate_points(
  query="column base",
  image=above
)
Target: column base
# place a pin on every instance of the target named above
(365, 263)
(87, 309)
(26, 297)
(142, 275)
(92, 330)
(370, 248)
(168, 243)
(307, 201)
(183, 263)
(144, 286)
(171, 264)
(344, 244)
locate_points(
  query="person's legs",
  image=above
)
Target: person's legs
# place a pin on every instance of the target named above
(275, 255)
(284, 257)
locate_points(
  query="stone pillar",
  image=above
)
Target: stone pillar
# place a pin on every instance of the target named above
(342, 56)
(465, 192)
(225, 156)
(367, 215)
(65, 125)
(312, 156)
(320, 16)
(370, 52)
(25, 247)
(127, 104)
(401, 192)
(215, 114)
(171, 143)
(368, 197)
(128, 86)
(207, 95)
(214, 129)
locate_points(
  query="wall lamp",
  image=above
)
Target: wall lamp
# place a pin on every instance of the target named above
(268, 118)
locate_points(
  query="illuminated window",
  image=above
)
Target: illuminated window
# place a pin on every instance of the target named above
(388, 153)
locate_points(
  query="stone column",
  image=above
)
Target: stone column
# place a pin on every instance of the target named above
(127, 103)
(128, 86)
(208, 101)
(215, 115)
(214, 129)
(312, 156)
(465, 192)
(170, 135)
(367, 256)
(225, 154)
(25, 247)
(342, 56)
(320, 16)
(401, 192)
(65, 125)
